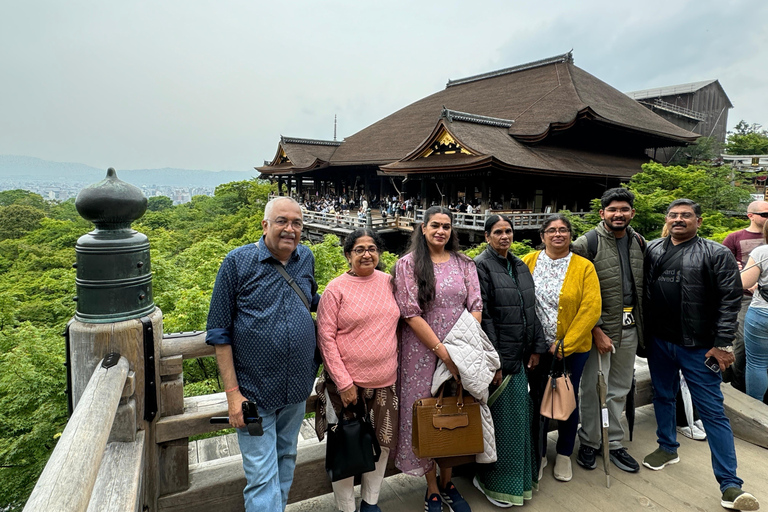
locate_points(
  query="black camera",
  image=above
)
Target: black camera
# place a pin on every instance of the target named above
(250, 417)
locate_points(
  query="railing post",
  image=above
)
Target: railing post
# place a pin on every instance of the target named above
(116, 311)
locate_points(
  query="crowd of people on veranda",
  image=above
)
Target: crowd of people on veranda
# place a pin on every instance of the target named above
(388, 206)
(577, 305)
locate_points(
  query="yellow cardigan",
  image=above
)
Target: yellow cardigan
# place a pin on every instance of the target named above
(580, 304)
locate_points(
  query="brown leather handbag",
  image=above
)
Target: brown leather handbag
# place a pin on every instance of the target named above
(559, 399)
(447, 426)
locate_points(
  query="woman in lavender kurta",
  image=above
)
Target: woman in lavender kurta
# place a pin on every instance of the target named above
(449, 285)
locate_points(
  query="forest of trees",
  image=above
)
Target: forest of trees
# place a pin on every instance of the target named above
(188, 242)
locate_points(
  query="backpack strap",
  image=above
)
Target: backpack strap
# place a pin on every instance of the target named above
(591, 244)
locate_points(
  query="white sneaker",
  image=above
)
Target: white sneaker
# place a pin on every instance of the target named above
(500, 504)
(696, 432)
(541, 468)
(563, 470)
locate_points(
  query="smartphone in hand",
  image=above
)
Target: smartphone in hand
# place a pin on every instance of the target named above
(713, 364)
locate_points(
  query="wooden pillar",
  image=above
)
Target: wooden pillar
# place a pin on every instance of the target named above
(485, 195)
(279, 185)
(424, 203)
(89, 343)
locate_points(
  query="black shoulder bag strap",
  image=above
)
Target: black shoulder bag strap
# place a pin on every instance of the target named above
(281, 269)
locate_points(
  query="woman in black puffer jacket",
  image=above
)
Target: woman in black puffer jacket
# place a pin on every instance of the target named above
(509, 320)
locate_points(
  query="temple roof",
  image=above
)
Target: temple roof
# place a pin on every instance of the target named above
(295, 155)
(477, 146)
(518, 110)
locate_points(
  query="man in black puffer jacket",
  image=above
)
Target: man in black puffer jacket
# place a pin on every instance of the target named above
(693, 295)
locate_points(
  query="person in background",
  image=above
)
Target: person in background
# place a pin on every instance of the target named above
(264, 338)
(568, 305)
(434, 285)
(357, 335)
(756, 322)
(741, 244)
(510, 321)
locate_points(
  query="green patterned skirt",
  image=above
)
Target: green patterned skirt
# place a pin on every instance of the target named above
(513, 477)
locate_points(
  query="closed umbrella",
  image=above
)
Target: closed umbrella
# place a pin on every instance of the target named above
(630, 407)
(602, 390)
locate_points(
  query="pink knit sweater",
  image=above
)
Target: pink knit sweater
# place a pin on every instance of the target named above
(357, 331)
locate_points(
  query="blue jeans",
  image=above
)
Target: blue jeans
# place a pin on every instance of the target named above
(269, 460)
(756, 348)
(566, 430)
(664, 361)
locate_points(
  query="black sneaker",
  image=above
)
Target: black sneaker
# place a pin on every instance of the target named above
(624, 461)
(587, 457)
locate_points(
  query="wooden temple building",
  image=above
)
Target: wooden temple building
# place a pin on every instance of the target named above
(701, 107)
(537, 137)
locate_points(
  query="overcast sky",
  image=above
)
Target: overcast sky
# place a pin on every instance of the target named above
(213, 84)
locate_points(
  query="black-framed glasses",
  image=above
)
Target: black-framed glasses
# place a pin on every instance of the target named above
(762, 214)
(560, 231)
(362, 250)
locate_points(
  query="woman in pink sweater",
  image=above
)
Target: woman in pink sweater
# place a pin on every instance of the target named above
(357, 336)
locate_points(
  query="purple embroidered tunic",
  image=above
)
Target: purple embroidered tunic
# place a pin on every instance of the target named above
(456, 289)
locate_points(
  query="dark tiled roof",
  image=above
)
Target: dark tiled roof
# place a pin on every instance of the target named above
(508, 117)
(492, 145)
(539, 99)
(303, 155)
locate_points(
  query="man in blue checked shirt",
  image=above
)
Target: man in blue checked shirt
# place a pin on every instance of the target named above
(265, 345)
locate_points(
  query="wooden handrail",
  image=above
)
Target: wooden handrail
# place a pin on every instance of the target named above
(68, 479)
(189, 345)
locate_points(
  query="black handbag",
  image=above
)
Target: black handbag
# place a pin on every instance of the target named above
(352, 447)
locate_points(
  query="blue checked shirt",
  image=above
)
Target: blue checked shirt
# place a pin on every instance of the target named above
(254, 309)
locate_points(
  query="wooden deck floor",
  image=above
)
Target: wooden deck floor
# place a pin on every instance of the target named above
(688, 485)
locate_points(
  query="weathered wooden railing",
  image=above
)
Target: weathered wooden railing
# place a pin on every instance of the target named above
(348, 221)
(476, 221)
(96, 464)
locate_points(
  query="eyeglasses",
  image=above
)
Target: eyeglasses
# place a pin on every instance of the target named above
(611, 209)
(282, 222)
(362, 250)
(682, 215)
(762, 214)
(560, 231)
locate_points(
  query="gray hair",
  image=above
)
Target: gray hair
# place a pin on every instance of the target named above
(273, 201)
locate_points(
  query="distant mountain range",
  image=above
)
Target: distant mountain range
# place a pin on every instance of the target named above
(25, 168)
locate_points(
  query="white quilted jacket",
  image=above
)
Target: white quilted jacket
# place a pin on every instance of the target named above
(477, 361)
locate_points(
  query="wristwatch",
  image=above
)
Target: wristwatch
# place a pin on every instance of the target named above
(726, 348)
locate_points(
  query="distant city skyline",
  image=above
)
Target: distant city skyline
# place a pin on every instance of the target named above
(212, 86)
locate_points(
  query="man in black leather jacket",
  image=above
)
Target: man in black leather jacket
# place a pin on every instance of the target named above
(693, 294)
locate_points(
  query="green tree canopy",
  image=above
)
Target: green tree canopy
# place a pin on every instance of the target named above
(717, 189)
(159, 203)
(747, 139)
(17, 219)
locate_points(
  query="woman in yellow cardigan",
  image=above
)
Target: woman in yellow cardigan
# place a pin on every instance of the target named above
(568, 305)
